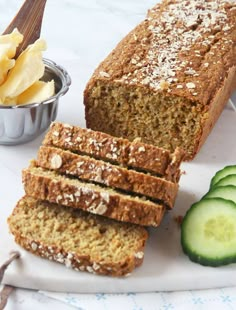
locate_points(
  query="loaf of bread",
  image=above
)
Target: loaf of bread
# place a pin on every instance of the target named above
(78, 239)
(169, 79)
(114, 176)
(48, 185)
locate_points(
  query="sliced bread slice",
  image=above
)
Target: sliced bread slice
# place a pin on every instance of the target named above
(48, 185)
(78, 239)
(100, 145)
(98, 171)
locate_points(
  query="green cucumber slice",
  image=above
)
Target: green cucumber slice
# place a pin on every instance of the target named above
(228, 180)
(225, 192)
(208, 232)
(223, 173)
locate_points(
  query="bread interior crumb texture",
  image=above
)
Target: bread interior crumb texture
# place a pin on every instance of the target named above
(77, 231)
(169, 121)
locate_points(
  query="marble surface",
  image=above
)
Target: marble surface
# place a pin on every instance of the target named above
(79, 35)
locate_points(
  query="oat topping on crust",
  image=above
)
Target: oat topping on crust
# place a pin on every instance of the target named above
(56, 161)
(139, 255)
(183, 25)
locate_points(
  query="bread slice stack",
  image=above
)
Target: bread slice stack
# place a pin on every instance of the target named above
(89, 196)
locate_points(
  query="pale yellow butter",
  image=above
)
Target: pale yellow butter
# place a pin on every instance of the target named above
(38, 92)
(8, 46)
(21, 83)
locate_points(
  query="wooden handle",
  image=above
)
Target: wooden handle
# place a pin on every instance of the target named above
(28, 21)
(4, 295)
(14, 255)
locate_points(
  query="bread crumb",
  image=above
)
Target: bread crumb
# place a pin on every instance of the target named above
(178, 219)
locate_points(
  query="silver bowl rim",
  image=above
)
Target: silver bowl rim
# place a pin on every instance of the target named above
(66, 82)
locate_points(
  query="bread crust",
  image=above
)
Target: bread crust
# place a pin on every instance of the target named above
(121, 151)
(215, 108)
(201, 74)
(45, 185)
(100, 172)
(77, 260)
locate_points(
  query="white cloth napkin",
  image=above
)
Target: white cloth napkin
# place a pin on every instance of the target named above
(224, 298)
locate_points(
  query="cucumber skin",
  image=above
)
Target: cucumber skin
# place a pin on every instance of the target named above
(209, 262)
(229, 176)
(207, 195)
(214, 180)
(195, 257)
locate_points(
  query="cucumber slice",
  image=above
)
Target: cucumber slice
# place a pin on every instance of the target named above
(223, 173)
(208, 232)
(225, 192)
(228, 180)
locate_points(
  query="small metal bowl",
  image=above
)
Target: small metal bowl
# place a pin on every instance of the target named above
(23, 123)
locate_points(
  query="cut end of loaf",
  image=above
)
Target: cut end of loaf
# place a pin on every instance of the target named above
(165, 121)
(79, 240)
(161, 82)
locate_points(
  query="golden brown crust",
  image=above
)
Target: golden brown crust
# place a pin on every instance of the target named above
(100, 145)
(184, 49)
(214, 45)
(173, 172)
(92, 170)
(45, 185)
(213, 111)
(75, 260)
